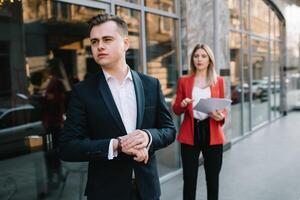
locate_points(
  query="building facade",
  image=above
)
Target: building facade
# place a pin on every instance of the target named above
(256, 44)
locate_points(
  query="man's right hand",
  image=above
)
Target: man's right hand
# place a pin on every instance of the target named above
(140, 155)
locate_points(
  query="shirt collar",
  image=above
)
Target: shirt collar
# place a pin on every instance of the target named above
(108, 76)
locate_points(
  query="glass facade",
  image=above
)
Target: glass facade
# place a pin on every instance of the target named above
(34, 33)
(255, 55)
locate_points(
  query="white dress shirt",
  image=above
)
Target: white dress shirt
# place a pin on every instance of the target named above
(200, 93)
(125, 99)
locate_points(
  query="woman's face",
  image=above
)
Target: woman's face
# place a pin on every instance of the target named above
(201, 60)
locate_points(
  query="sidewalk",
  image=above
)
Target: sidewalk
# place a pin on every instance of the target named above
(263, 166)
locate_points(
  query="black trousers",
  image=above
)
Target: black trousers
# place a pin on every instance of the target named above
(212, 155)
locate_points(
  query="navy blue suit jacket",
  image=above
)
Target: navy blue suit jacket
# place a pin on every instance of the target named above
(93, 120)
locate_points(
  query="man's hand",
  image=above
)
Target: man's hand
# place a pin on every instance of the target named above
(137, 139)
(139, 155)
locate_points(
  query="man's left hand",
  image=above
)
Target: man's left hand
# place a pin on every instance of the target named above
(137, 139)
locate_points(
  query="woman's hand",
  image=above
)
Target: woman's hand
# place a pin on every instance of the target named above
(186, 102)
(217, 115)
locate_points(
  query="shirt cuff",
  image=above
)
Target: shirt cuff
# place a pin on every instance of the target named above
(150, 138)
(111, 152)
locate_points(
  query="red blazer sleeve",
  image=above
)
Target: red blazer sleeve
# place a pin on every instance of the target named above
(180, 95)
(222, 95)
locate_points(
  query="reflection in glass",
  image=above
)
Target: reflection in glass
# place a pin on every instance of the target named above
(162, 51)
(260, 81)
(132, 1)
(234, 9)
(165, 5)
(260, 17)
(275, 80)
(245, 85)
(245, 14)
(49, 30)
(132, 18)
(162, 63)
(236, 90)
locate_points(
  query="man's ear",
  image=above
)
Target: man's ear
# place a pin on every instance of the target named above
(126, 43)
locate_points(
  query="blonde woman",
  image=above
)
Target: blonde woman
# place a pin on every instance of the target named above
(200, 132)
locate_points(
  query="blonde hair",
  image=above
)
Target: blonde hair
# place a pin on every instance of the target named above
(211, 72)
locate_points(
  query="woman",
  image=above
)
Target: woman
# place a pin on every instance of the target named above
(200, 132)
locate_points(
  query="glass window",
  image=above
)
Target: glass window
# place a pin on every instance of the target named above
(236, 90)
(275, 79)
(234, 9)
(4, 69)
(245, 14)
(260, 17)
(40, 30)
(165, 5)
(132, 18)
(132, 1)
(161, 40)
(162, 51)
(246, 83)
(260, 81)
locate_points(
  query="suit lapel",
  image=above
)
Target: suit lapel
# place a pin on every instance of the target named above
(140, 98)
(109, 101)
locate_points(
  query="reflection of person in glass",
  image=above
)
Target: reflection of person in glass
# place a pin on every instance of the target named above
(200, 132)
(116, 120)
(52, 118)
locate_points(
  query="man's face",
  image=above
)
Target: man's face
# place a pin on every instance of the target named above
(108, 44)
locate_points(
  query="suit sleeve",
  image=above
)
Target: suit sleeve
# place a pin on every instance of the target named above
(164, 133)
(74, 143)
(178, 99)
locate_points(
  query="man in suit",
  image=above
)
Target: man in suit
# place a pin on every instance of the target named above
(116, 120)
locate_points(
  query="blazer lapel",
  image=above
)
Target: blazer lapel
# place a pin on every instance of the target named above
(189, 90)
(140, 98)
(214, 90)
(109, 101)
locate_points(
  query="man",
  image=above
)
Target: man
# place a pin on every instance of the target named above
(116, 119)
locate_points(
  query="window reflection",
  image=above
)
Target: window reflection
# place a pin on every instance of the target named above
(260, 17)
(275, 79)
(236, 90)
(4, 69)
(260, 82)
(234, 9)
(162, 51)
(132, 1)
(166, 5)
(246, 84)
(162, 63)
(132, 18)
(31, 121)
(245, 14)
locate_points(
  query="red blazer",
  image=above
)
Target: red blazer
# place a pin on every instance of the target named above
(186, 132)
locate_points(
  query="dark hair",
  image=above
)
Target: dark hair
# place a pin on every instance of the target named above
(102, 18)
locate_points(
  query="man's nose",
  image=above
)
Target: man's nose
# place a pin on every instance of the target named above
(100, 46)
